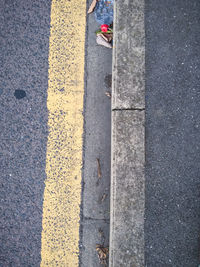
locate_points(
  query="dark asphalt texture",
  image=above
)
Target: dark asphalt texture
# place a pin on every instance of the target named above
(24, 40)
(172, 223)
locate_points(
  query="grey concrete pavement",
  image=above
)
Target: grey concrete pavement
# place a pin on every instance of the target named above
(128, 55)
(127, 189)
(97, 139)
(97, 125)
(127, 157)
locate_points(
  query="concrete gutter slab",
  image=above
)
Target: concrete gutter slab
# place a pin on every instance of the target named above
(127, 189)
(127, 138)
(128, 55)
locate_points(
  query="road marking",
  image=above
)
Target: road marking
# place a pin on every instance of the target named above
(62, 195)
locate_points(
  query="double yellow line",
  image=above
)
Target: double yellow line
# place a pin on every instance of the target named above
(62, 195)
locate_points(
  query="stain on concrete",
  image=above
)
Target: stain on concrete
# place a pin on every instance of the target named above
(108, 81)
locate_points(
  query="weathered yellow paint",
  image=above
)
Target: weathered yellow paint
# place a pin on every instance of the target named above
(62, 195)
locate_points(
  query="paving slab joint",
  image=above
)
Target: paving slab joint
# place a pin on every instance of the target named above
(128, 109)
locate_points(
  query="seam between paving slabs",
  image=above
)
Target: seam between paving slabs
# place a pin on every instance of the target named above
(128, 109)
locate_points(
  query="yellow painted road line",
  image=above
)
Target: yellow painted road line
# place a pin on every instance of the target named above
(62, 195)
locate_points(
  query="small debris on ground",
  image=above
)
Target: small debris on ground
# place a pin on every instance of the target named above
(105, 35)
(103, 10)
(101, 233)
(108, 81)
(99, 168)
(101, 41)
(92, 6)
(108, 94)
(103, 253)
(103, 198)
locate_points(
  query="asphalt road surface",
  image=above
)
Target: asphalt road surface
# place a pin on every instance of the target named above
(172, 215)
(24, 38)
(172, 224)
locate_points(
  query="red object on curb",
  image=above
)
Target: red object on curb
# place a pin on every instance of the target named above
(104, 27)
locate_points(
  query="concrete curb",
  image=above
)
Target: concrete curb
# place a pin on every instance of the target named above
(128, 155)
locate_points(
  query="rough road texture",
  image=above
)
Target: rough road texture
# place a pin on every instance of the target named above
(24, 42)
(172, 133)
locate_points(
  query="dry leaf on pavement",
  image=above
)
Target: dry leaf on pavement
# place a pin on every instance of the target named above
(99, 168)
(103, 198)
(103, 253)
